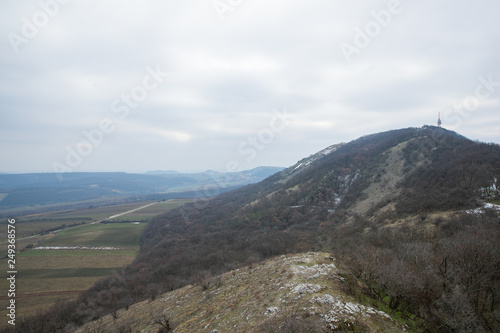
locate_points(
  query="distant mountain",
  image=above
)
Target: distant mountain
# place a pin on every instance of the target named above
(26, 190)
(398, 209)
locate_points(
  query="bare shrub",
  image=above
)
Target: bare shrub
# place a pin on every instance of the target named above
(165, 323)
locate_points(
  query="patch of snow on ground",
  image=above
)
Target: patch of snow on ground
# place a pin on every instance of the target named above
(347, 308)
(491, 206)
(480, 210)
(328, 150)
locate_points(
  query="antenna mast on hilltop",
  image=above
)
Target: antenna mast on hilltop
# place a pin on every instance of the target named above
(439, 119)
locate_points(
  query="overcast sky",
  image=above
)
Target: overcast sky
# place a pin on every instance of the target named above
(190, 85)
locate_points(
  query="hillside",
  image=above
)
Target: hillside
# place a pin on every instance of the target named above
(397, 209)
(299, 293)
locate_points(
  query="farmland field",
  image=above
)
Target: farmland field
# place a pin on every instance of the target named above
(46, 223)
(30, 225)
(147, 213)
(113, 234)
(49, 272)
(46, 276)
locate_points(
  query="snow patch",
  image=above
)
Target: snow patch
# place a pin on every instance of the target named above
(481, 209)
(490, 192)
(328, 150)
(345, 184)
(76, 248)
(344, 311)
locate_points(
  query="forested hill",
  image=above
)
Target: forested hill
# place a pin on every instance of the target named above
(402, 172)
(391, 206)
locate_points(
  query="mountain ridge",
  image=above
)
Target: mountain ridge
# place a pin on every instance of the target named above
(368, 201)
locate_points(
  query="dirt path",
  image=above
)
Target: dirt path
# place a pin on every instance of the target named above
(131, 211)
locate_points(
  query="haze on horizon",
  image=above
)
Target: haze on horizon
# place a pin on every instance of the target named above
(229, 85)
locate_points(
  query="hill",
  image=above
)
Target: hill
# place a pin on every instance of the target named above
(49, 191)
(397, 209)
(300, 293)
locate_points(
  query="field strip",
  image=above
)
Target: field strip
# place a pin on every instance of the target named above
(131, 211)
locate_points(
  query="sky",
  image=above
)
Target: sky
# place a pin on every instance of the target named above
(229, 85)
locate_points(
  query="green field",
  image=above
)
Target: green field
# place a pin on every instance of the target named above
(101, 213)
(58, 273)
(26, 228)
(113, 234)
(128, 251)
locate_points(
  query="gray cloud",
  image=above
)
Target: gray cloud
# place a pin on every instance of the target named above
(228, 78)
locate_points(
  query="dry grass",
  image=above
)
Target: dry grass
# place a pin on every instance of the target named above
(249, 299)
